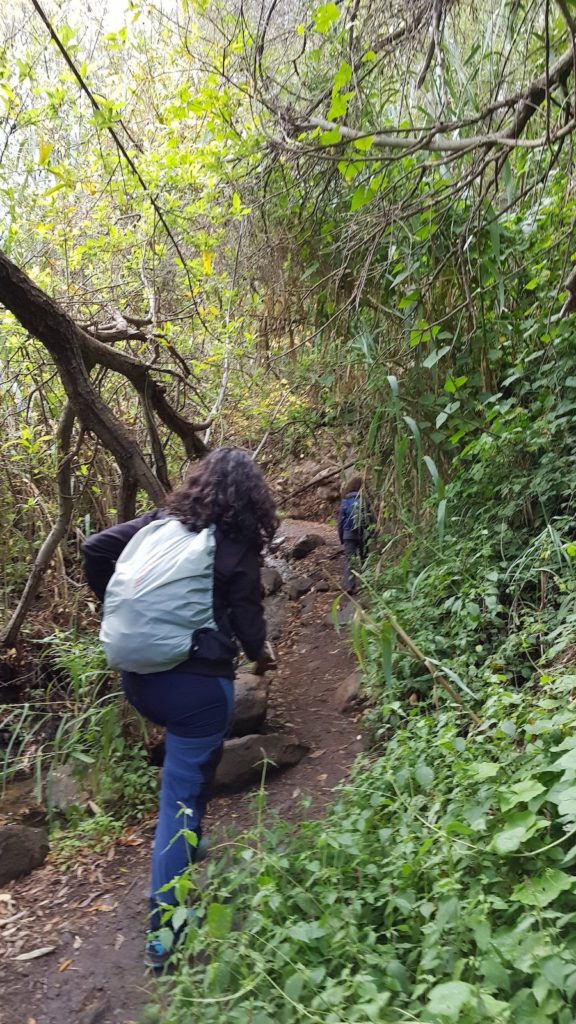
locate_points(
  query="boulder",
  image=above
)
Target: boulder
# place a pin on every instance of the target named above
(275, 615)
(270, 580)
(21, 850)
(242, 760)
(330, 489)
(347, 693)
(63, 790)
(305, 545)
(250, 703)
(298, 587)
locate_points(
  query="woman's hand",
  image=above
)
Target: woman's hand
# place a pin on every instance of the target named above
(265, 661)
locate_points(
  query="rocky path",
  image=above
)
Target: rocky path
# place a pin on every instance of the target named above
(92, 917)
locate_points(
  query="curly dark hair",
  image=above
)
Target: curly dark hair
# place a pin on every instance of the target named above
(226, 489)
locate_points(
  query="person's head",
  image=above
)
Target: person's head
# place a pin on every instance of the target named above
(226, 489)
(354, 484)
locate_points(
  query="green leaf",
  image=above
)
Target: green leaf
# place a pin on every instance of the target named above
(485, 770)
(556, 970)
(364, 144)
(424, 776)
(190, 836)
(293, 986)
(339, 105)
(44, 151)
(66, 34)
(520, 792)
(307, 931)
(393, 382)
(415, 430)
(360, 197)
(79, 755)
(331, 137)
(218, 920)
(343, 76)
(543, 889)
(566, 763)
(179, 918)
(325, 16)
(532, 284)
(166, 936)
(519, 827)
(433, 470)
(447, 1001)
(435, 356)
(441, 518)
(350, 168)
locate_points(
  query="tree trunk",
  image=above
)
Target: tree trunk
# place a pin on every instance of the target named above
(68, 345)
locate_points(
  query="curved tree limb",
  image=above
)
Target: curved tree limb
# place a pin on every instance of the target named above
(74, 352)
(151, 392)
(435, 142)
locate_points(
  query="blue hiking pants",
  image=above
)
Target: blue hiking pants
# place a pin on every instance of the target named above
(352, 562)
(196, 712)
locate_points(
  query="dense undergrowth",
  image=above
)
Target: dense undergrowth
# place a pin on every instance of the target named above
(77, 748)
(442, 884)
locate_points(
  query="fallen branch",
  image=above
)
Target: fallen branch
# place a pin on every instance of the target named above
(315, 483)
(437, 675)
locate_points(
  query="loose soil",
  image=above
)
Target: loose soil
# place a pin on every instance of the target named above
(92, 918)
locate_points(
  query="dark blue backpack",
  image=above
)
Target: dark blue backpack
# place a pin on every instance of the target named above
(350, 516)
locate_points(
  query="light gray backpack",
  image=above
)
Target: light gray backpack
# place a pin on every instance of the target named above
(161, 593)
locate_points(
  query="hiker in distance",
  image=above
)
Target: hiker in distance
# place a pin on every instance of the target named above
(355, 523)
(180, 585)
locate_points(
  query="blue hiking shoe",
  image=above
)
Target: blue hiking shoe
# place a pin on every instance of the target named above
(156, 956)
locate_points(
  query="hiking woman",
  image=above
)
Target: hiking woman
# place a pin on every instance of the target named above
(355, 524)
(194, 700)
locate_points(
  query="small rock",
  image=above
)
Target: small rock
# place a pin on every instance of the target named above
(270, 580)
(305, 544)
(63, 790)
(250, 703)
(322, 586)
(348, 692)
(298, 587)
(242, 761)
(96, 1011)
(21, 850)
(277, 543)
(344, 615)
(308, 605)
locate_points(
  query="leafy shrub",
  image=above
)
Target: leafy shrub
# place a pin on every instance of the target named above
(82, 721)
(439, 888)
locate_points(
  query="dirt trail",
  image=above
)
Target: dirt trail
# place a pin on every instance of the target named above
(95, 914)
